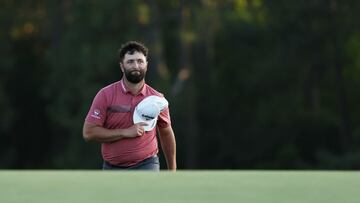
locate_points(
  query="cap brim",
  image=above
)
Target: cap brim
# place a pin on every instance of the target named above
(160, 101)
(149, 124)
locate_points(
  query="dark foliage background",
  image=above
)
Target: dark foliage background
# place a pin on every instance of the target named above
(252, 84)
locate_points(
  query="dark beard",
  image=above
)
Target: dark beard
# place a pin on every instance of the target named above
(134, 77)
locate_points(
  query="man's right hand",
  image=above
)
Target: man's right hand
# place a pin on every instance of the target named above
(93, 132)
(136, 130)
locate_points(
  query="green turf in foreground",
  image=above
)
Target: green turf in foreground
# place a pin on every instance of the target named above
(182, 186)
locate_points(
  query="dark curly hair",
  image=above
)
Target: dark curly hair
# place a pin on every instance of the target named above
(131, 47)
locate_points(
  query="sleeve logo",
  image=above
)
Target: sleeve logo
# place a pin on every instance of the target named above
(96, 114)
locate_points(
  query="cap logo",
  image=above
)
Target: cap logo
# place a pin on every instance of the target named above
(147, 117)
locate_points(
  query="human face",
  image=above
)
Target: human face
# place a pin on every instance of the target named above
(134, 67)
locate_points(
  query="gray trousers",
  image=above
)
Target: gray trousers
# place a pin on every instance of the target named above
(151, 163)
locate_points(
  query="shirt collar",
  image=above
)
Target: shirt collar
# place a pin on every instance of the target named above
(123, 88)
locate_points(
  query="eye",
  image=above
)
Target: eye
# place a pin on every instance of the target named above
(140, 61)
(131, 61)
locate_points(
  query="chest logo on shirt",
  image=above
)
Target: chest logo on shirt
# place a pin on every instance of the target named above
(96, 114)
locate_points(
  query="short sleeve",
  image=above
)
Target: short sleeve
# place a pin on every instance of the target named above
(97, 113)
(164, 118)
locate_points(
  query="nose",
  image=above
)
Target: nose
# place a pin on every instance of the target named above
(136, 65)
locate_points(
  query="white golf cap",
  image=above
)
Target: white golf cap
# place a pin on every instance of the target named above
(148, 110)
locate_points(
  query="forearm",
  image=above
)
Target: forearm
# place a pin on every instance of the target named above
(92, 132)
(168, 144)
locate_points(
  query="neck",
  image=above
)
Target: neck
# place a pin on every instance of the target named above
(134, 88)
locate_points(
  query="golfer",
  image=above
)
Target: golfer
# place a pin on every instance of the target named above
(126, 144)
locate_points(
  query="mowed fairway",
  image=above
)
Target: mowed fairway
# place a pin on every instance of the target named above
(182, 186)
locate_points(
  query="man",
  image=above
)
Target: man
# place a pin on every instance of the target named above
(126, 145)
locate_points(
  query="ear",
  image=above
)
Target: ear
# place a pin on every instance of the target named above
(121, 66)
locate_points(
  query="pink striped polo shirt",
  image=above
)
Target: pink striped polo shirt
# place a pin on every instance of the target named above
(113, 108)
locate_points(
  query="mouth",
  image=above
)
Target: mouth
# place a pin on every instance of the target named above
(135, 72)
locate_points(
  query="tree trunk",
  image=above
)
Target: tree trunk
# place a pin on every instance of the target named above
(191, 132)
(345, 130)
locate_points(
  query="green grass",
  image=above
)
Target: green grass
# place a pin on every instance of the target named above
(182, 186)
